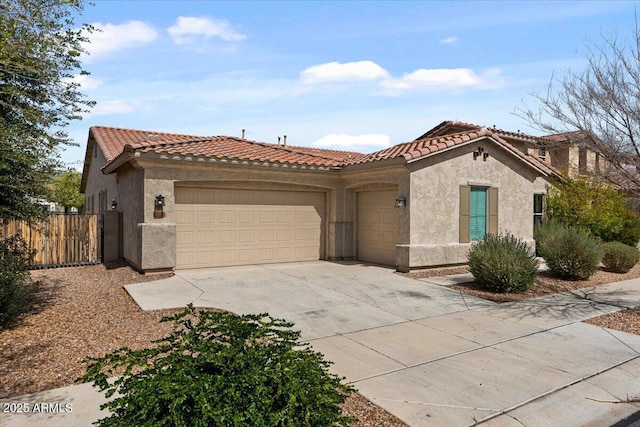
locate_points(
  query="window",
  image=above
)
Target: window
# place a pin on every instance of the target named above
(542, 153)
(478, 212)
(538, 207)
(582, 160)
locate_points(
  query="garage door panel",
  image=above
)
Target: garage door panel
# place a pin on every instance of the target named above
(377, 226)
(217, 227)
(184, 217)
(184, 237)
(203, 237)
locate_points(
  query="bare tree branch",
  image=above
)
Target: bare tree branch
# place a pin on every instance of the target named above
(601, 103)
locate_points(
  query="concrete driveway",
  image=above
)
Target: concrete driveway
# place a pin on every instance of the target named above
(433, 356)
(323, 299)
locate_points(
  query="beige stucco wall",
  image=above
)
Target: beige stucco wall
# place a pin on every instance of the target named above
(130, 203)
(97, 182)
(434, 200)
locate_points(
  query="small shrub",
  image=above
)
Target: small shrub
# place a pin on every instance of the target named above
(618, 257)
(16, 287)
(571, 254)
(502, 263)
(218, 369)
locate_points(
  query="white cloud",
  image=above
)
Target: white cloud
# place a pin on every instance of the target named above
(188, 28)
(449, 40)
(441, 78)
(117, 37)
(337, 72)
(86, 82)
(103, 108)
(365, 143)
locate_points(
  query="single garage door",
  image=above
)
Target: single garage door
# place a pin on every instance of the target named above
(377, 227)
(219, 227)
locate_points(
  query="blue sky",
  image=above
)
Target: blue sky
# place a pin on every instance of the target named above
(347, 75)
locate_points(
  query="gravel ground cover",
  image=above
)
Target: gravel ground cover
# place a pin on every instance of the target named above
(625, 320)
(84, 311)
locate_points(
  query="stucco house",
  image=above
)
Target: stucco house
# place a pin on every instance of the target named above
(230, 201)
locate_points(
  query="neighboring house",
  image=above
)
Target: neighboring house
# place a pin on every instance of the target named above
(569, 152)
(231, 201)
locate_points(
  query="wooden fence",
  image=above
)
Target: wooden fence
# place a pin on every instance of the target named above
(61, 240)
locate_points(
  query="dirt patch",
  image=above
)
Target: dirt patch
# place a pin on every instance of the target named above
(85, 311)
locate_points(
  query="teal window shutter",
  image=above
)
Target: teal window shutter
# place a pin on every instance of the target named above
(478, 213)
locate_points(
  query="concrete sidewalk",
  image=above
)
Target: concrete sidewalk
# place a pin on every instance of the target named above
(427, 354)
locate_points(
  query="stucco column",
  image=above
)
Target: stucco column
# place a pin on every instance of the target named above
(158, 234)
(404, 225)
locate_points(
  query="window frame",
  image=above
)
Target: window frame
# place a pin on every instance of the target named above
(538, 217)
(464, 218)
(473, 234)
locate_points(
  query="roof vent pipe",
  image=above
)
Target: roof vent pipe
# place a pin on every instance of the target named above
(285, 140)
(278, 140)
(242, 133)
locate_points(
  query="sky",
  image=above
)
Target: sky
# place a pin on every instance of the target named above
(352, 75)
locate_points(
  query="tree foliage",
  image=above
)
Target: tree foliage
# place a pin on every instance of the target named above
(40, 48)
(594, 207)
(219, 369)
(64, 189)
(600, 105)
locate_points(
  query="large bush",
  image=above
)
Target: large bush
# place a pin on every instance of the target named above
(571, 254)
(597, 208)
(502, 263)
(618, 257)
(218, 369)
(16, 286)
(546, 230)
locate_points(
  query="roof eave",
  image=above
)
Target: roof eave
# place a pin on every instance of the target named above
(152, 155)
(471, 141)
(127, 155)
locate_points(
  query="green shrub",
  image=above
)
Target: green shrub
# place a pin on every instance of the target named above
(571, 254)
(595, 207)
(218, 369)
(618, 257)
(629, 233)
(502, 263)
(16, 286)
(541, 232)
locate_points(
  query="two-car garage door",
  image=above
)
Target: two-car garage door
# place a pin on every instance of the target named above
(219, 227)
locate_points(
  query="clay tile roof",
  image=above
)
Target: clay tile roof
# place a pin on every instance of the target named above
(114, 142)
(420, 148)
(450, 127)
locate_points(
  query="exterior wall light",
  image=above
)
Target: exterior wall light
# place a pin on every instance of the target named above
(159, 201)
(114, 205)
(401, 202)
(158, 212)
